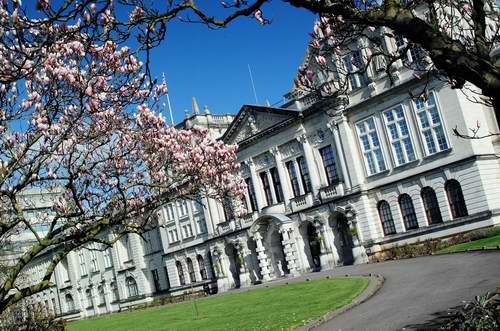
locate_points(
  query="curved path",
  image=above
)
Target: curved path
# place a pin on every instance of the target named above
(415, 289)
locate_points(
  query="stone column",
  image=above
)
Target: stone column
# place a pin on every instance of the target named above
(332, 125)
(285, 184)
(309, 157)
(353, 158)
(262, 257)
(289, 249)
(256, 185)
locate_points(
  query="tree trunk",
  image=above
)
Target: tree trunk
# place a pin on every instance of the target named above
(496, 108)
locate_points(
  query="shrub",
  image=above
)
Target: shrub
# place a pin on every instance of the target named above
(482, 314)
(29, 315)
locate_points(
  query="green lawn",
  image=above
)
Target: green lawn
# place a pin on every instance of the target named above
(492, 241)
(280, 307)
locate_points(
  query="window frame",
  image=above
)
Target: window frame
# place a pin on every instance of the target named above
(335, 180)
(460, 210)
(431, 206)
(408, 214)
(372, 150)
(388, 225)
(401, 138)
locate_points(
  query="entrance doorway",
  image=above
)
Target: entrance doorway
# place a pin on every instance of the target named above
(314, 246)
(234, 264)
(276, 253)
(343, 238)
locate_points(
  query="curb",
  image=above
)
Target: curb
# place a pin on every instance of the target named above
(375, 284)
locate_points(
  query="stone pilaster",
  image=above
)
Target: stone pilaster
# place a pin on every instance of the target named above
(310, 161)
(264, 264)
(289, 248)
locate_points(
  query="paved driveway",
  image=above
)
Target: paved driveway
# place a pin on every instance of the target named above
(414, 289)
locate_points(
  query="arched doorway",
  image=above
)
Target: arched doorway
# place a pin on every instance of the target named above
(234, 263)
(343, 238)
(314, 246)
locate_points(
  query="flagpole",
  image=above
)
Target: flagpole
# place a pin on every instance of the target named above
(170, 110)
(253, 85)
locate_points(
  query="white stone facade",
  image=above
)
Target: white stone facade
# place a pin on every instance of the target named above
(330, 183)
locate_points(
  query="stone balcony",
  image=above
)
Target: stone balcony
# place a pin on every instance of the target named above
(248, 219)
(301, 202)
(277, 208)
(331, 192)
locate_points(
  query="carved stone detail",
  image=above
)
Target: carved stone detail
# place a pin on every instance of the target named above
(290, 149)
(264, 160)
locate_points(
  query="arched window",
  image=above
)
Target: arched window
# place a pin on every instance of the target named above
(431, 205)
(180, 273)
(132, 287)
(192, 276)
(114, 292)
(408, 212)
(70, 303)
(456, 198)
(88, 294)
(102, 298)
(384, 211)
(203, 269)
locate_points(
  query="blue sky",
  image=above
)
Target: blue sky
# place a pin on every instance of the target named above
(212, 65)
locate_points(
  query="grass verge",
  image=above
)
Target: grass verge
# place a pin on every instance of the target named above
(281, 307)
(492, 241)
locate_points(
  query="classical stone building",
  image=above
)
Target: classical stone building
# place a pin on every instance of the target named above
(331, 181)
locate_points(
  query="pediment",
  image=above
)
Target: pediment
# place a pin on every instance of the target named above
(252, 120)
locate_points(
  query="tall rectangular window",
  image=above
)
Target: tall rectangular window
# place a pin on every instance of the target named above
(251, 194)
(201, 225)
(83, 267)
(278, 191)
(354, 63)
(197, 207)
(183, 208)
(93, 258)
(170, 213)
(107, 258)
(329, 165)
(267, 188)
(294, 180)
(148, 242)
(370, 145)
(431, 126)
(399, 135)
(304, 174)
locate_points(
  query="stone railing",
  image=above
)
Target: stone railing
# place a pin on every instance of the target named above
(301, 202)
(331, 192)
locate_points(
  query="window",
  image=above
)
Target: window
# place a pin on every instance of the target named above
(70, 303)
(197, 207)
(170, 213)
(65, 270)
(431, 206)
(251, 194)
(133, 291)
(370, 145)
(83, 267)
(180, 273)
(192, 276)
(108, 260)
(183, 208)
(93, 258)
(267, 188)
(329, 165)
(276, 184)
(413, 54)
(304, 174)
(127, 249)
(156, 280)
(187, 230)
(431, 127)
(173, 236)
(88, 295)
(384, 211)
(294, 180)
(102, 298)
(203, 269)
(353, 63)
(201, 225)
(399, 135)
(408, 212)
(456, 198)
(114, 292)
